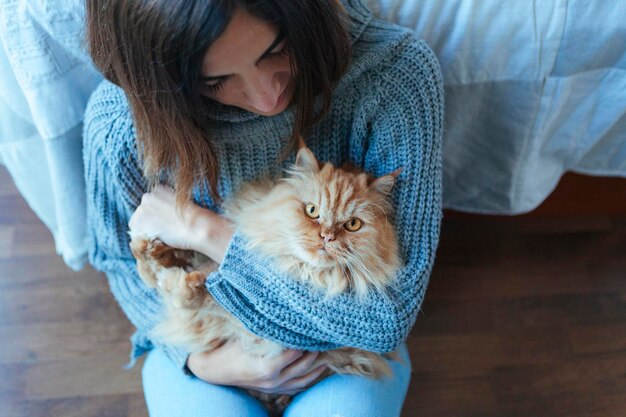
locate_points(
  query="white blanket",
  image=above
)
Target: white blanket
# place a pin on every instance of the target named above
(534, 88)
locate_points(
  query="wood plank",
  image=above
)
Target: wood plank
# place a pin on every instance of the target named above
(11, 383)
(83, 376)
(44, 342)
(120, 405)
(477, 355)
(583, 405)
(7, 187)
(508, 281)
(136, 406)
(435, 397)
(494, 225)
(41, 303)
(578, 376)
(6, 241)
(487, 241)
(32, 240)
(561, 311)
(518, 314)
(599, 338)
(455, 316)
(22, 270)
(16, 211)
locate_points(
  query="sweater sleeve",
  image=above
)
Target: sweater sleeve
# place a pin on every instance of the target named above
(403, 130)
(114, 188)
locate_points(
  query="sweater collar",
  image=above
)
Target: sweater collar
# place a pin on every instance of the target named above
(359, 16)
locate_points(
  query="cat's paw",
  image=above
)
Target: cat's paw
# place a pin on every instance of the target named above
(183, 289)
(140, 249)
(153, 256)
(196, 290)
(166, 256)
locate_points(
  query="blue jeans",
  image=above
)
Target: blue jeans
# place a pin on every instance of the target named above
(171, 393)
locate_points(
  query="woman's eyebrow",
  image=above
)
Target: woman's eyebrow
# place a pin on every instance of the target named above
(279, 39)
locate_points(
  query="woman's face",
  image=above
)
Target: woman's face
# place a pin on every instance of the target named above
(248, 66)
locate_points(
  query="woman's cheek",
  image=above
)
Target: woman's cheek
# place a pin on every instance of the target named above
(224, 98)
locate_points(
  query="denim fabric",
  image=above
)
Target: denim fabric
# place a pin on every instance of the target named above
(170, 392)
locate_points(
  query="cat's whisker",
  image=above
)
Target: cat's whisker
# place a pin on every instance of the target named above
(358, 265)
(383, 209)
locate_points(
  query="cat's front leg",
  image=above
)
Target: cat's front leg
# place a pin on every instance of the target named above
(182, 289)
(147, 266)
(165, 268)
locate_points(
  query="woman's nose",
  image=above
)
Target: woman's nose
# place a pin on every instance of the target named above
(262, 92)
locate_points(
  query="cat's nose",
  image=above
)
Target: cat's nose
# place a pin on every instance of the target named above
(327, 236)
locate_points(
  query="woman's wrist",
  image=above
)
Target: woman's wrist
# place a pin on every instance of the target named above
(211, 234)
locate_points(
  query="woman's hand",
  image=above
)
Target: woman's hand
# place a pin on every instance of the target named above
(192, 227)
(288, 373)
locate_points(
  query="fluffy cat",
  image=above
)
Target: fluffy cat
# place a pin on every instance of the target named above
(323, 225)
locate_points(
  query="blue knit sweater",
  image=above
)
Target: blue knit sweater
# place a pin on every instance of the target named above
(387, 112)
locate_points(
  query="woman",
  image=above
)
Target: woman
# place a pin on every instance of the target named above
(213, 94)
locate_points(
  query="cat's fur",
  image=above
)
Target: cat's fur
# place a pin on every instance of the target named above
(320, 251)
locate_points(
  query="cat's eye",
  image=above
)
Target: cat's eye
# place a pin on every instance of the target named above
(312, 211)
(353, 224)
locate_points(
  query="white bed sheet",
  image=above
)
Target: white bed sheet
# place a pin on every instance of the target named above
(534, 88)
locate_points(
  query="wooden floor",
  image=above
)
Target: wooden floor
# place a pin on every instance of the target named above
(525, 316)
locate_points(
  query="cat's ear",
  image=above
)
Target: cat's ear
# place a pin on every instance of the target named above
(385, 183)
(305, 160)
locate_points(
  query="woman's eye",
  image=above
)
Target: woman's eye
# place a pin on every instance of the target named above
(278, 54)
(312, 211)
(215, 86)
(353, 224)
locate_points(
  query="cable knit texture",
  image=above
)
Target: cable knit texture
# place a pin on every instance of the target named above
(387, 112)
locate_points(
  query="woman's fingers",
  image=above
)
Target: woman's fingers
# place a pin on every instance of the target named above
(296, 385)
(286, 358)
(299, 367)
(287, 373)
(269, 369)
(289, 356)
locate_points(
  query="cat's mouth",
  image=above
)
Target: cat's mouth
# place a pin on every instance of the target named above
(326, 253)
(321, 255)
(323, 259)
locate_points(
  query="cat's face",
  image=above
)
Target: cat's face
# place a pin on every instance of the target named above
(338, 215)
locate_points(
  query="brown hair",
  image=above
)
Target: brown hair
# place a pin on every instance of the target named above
(154, 49)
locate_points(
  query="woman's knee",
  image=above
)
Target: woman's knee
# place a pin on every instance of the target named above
(169, 392)
(354, 396)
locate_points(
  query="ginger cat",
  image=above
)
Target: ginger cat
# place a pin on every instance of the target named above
(323, 225)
